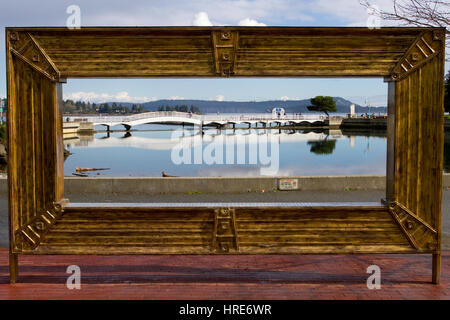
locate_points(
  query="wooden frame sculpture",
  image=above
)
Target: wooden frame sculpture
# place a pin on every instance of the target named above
(43, 222)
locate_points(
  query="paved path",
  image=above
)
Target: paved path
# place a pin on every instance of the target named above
(225, 277)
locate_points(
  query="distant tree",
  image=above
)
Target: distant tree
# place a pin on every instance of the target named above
(323, 104)
(69, 107)
(447, 92)
(179, 108)
(183, 108)
(104, 108)
(3, 133)
(194, 109)
(136, 108)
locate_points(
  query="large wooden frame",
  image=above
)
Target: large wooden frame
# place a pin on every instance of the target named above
(43, 222)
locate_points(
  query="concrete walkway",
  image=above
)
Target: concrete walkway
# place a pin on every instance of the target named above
(281, 196)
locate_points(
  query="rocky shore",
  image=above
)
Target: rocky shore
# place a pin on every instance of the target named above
(3, 157)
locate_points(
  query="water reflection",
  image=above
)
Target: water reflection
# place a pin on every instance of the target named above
(322, 147)
(150, 150)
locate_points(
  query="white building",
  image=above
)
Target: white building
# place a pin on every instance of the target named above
(352, 111)
(278, 112)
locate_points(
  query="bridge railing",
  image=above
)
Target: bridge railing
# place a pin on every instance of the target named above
(139, 116)
(209, 117)
(262, 117)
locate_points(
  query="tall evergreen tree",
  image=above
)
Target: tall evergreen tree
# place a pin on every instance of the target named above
(323, 103)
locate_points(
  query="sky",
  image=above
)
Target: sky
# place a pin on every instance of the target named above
(200, 13)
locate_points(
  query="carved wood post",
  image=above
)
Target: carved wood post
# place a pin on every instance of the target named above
(419, 137)
(36, 154)
(390, 153)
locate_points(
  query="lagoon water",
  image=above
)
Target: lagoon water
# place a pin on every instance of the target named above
(151, 149)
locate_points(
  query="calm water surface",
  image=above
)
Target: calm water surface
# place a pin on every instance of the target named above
(152, 149)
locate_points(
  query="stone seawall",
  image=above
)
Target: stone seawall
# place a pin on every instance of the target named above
(358, 123)
(379, 123)
(158, 185)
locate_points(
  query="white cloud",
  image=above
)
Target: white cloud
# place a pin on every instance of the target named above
(175, 98)
(350, 13)
(193, 12)
(122, 96)
(201, 19)
(286, 98)
(181, 13)
(247, 22)
(220, 97)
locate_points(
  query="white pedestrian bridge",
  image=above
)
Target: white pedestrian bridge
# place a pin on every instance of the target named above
(266, 119)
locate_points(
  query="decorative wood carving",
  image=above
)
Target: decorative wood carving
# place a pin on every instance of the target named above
(24, 46)
(225, 45)
(224, 234)
(30, 235)
(419, 233)
(427, 45)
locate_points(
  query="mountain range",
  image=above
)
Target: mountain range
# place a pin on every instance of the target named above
(291, 106)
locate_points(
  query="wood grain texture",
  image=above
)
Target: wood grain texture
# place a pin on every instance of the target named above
(419, 233)
(426, 46)
(33, 134)
(25, 47)
(206, 52)
(419, 141)
(250, 230)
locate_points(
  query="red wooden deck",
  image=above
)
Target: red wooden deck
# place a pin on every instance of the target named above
(225, 277)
